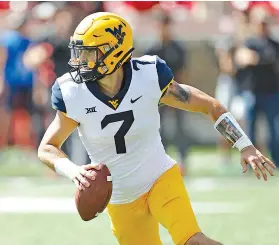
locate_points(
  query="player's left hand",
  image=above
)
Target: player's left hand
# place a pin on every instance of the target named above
(259, 163)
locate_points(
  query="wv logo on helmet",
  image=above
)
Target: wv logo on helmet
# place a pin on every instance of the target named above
(117, 32)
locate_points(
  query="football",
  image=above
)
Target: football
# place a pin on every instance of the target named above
(94, 199)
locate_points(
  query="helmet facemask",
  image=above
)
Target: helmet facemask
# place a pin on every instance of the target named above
(87, 61)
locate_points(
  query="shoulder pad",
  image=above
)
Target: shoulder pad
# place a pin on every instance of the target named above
(150, 58)
(68, 87)
(65, 78)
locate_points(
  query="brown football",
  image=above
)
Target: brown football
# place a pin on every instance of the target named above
(94, 199)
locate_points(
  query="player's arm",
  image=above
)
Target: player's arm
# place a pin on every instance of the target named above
(60, 129)
(188, 98)
(191, 99)
(49, 151)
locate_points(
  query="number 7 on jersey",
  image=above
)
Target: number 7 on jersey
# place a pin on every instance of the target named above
(128, 118)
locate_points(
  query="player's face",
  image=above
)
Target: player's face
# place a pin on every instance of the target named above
(85, 58)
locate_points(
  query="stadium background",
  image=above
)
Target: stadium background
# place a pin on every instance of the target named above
(36, 206)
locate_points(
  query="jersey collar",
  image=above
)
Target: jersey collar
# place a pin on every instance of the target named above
(114, 102)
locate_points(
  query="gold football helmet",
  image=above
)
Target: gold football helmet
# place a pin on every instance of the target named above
(101, 43)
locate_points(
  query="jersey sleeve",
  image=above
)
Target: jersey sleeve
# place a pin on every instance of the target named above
(165, 76)
(57, 98)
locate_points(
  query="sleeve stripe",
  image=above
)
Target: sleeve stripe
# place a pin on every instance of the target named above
(167, 86)
(65, 114)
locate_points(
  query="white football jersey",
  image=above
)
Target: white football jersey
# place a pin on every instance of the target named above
(121, 132)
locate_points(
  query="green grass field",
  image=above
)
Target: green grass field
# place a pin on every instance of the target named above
(233, 208)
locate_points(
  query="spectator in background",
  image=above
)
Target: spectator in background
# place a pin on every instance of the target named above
(19, 59)
(58, 22)
(176, 57)
(259, 59)
(227, 89)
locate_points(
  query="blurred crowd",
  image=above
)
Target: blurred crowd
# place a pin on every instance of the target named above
(34, 52)
(248, 83)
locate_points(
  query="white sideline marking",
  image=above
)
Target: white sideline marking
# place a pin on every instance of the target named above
(67, 205)
(203, 184)
(37, 205)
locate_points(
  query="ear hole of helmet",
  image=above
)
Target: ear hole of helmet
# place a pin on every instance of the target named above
(118, 54)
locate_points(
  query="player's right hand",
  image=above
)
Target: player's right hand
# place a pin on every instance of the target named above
(81, 177)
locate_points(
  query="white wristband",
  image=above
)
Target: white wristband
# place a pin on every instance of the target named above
(229, 128)
(242, 143)
(64, 167)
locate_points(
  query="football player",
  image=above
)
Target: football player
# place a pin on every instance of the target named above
(112, 98)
